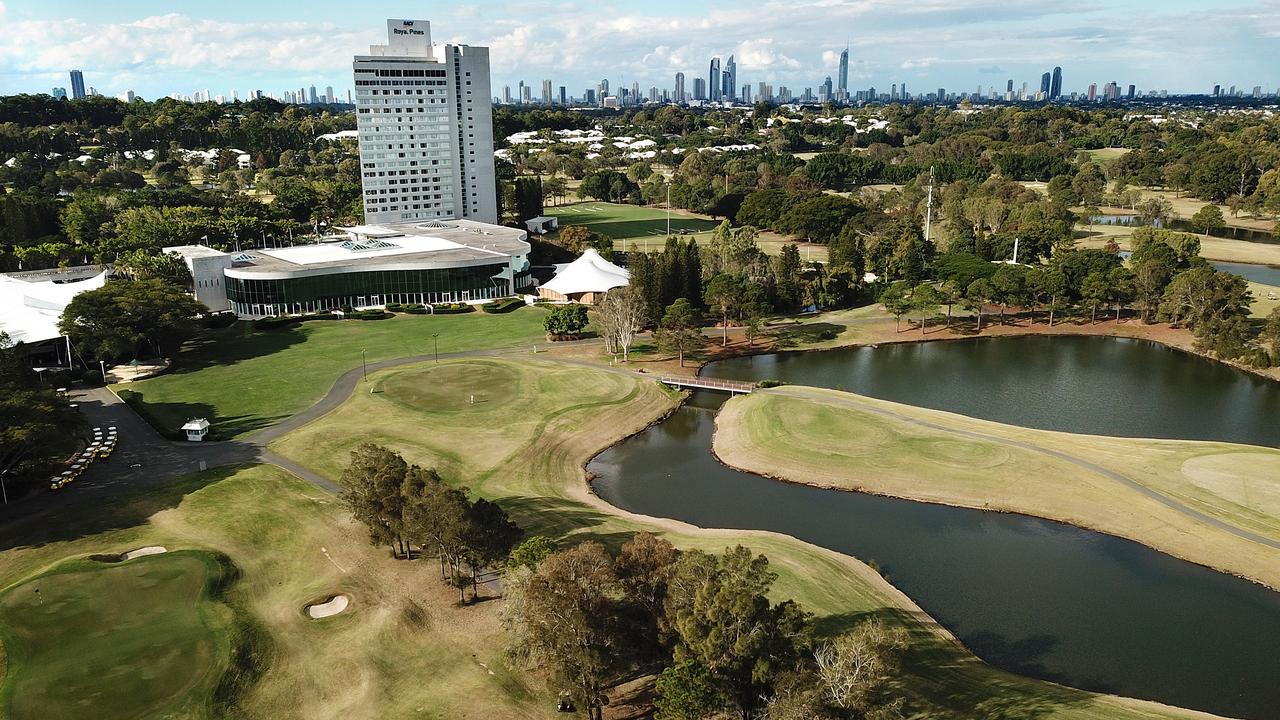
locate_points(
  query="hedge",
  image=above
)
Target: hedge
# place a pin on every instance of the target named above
(502, 306)
(452, 308)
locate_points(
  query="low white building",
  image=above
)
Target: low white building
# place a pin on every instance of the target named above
(206, 266)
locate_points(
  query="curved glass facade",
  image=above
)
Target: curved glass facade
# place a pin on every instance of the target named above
(260, 298)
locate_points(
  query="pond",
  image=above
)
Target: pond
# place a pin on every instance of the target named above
(1029, 595)
(1265, 274)
(1227, 232)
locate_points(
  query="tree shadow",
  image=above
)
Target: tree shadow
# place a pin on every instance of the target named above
(79, 512)
(941, 679)
(790, 336)
(551, 516)
(234, 343)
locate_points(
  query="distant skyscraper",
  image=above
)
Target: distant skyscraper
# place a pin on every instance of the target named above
(603, 87)
(680, 96)
(1055, 88)
(59, 93)
(313, 97)
(1046, 83)
(526, 94)
(1217, 90)
(77, 84)
(506, 94)
(825, 90)
(546, 92)
(564, 96)
(1093, 91)
(1133, 90)
(730, 80)
(403, 178)
(590, 96)
(699, 88)
(843, 76)
(714, 80)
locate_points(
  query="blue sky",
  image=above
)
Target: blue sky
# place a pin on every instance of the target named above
(155, 47)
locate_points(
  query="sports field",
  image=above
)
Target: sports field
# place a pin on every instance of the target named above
(242, 379)
(523, 441)
(143, 638)
(838, 439)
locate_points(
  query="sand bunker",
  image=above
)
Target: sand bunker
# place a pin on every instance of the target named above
(142, 552)
(335, 605)
(1251, 479)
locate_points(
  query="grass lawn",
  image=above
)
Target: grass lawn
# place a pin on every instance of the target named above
(116, 640)
(635, 228)
(243, 380)
(838, 439)
(524, 441)
(401, 649)
(1105, 156)
(1212, 248)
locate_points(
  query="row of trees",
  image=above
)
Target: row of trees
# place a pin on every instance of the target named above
(591, 618)
(37, 425)
(404, 505)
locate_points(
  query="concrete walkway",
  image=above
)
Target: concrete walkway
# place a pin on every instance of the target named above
(855, 403)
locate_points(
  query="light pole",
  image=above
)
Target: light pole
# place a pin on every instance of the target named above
(668, 208)
(103, 367)
(364, 364)
(435, 338)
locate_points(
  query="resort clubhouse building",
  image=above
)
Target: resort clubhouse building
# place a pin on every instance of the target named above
(367, 266)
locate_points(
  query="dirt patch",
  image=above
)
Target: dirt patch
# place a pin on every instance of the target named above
(1249, 479)
(121, 557)
(328, 608)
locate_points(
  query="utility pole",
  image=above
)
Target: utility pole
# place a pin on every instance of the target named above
(435, 337)
(928, 211)
(646, 244)
(364, 364)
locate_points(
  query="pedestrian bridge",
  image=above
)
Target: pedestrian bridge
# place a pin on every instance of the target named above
(702, 383)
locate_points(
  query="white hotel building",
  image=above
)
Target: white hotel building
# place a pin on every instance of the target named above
(425, 121)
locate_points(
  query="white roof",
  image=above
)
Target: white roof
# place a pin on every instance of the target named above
(589, 273)
(196, 424)
(31, 309)
(372, 247)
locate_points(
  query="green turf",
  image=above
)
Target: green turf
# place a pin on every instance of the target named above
(243, 380)
(142, 638)
(631, 223)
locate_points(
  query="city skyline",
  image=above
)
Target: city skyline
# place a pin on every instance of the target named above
(155, 54)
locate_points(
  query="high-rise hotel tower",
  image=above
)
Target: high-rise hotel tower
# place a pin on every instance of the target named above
(425, 121)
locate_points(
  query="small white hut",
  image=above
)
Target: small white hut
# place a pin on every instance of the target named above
(196, 429)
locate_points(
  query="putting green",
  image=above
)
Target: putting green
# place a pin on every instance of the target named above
(474, 387)
(135, 639)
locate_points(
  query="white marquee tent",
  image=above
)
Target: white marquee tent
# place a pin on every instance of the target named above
(586, 279)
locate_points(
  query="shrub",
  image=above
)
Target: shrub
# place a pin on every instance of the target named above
(452, 308)
(415, 309)
(275, 323)
(566, 322)
(370, 315)
(505, 305)
(218, 320)
(769, 383)
(394, 307)
(92, 378)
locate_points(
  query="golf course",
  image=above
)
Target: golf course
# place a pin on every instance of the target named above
(1206, 502)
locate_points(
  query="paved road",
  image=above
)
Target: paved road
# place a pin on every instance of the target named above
(855, 403)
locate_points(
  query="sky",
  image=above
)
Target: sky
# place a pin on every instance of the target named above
(155, 48)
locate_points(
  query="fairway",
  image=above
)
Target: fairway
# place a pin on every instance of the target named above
(141, 638)
(635, 228)
(242, 380)
(837, 439)
(529, 457)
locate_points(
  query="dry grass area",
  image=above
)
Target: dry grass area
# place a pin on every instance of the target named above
(402, 649)
(842, 440)
(524, 442)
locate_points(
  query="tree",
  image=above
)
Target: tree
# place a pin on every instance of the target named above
(38, 426)
(1208, 218)
(1095, 292)
(1049, 286)
(1010, 285)
(977, 295)
(726, 292)
(370, 488)
(1271, 333)
(531, 552)
(114, 321)
(1122, 288)
(623, 314)
(1150, 277)
(436, 515)
(565, 321)
(896, 301)
(925, 300)
(686, 691)
(644, 565)
(144, 265)
(560, 616)
(856, 669)
(1155, 211)
(1202, 296)
(488, 537)
(720, 609)
(679, 328)
(787, 273)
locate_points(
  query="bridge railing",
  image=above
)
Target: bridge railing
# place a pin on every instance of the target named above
(709, 383)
